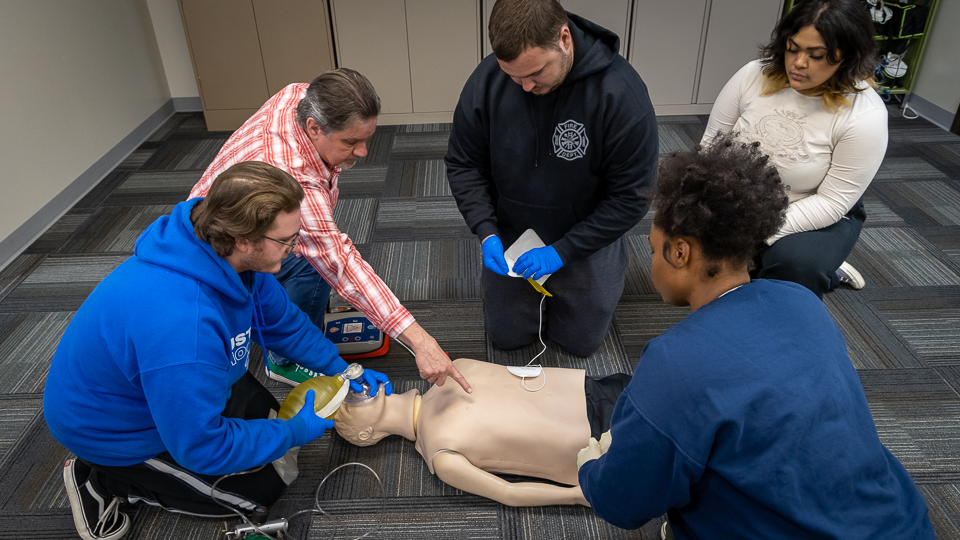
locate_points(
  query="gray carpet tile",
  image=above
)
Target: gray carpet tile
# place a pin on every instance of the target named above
(177, 122)
(185, 154)
(549, 522)
(15, 417)
(96, 196)
(147, 188)
(60, 283)
(674, 138)
(32, 474)
(897, 257)
(950, 371)
(58, 233)
(934, 333)
(946, 156)
(935, 199)
(918, 418)
(429, 269)
(27, 344)
(114, 229)
(638, 279)
(14, 273)
(424, 128)
(431, 179)
(871, 341)
(880, 214)
(943, 500)
(378, 147)
(137, 158)
(365, 181)
(946, 239)
(355, 218)
(906, 168)
(426, 145)
(422, 218)
(642, 319)
(914, 132)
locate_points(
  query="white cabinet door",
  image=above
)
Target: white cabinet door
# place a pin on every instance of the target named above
(444, 39)
(737, 29)
(371, 37)
(665, 47)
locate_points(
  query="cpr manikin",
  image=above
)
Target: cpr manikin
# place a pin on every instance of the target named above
(500, 427)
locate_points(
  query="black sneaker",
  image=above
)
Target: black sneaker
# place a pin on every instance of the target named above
(96, 514)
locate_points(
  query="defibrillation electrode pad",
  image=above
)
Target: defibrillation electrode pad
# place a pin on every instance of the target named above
(527, 241)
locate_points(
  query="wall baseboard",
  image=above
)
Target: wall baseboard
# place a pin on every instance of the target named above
(21, 238)
(187, 104)
(935, 114)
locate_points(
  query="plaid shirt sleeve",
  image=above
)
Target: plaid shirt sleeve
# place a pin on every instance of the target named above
(272, 136)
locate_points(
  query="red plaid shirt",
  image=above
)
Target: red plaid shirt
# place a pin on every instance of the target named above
(273, 136)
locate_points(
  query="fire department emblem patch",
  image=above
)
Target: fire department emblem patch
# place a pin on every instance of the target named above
(570, 140)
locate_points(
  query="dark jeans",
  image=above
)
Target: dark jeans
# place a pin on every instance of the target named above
(307, 290)
(163, 482)
(811, 258)
(585, 293)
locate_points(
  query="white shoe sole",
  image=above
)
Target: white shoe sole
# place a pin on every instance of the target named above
(856, 280)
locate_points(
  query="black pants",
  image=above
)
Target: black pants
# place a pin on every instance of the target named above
(811, 258)
(585, 293)
(161, 481)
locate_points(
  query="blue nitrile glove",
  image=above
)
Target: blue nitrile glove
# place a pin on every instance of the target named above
(373, 380)
(493, 255)
(538, 262)
(315, 424)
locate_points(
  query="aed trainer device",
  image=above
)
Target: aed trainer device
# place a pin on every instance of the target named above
(354, 335)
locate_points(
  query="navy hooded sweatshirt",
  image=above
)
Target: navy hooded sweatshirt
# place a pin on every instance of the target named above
(574, 165)
(148, 361)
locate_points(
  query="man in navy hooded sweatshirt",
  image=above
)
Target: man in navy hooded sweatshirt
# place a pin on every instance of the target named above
(149, 385)
(553, 132)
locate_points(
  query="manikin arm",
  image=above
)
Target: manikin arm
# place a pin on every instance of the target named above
(456, 470)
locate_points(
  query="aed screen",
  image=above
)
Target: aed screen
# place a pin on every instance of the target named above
(352, 328)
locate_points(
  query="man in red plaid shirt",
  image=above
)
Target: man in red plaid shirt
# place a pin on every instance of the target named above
(313, 132)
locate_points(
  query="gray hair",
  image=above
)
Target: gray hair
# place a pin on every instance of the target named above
(336, 99)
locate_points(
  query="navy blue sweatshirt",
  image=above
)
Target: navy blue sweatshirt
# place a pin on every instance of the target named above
(574, 165)
(748, 420)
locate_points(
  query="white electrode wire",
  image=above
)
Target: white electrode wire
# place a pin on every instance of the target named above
(320, 510)
(213, 496)
(407, 348)
(316, 500)
(523, 380)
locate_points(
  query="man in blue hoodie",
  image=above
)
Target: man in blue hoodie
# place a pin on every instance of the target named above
(553, 132)
(149, 385)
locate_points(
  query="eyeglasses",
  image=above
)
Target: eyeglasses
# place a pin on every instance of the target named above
(291, 245)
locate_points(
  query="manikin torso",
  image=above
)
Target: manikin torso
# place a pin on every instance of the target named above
(502, 427)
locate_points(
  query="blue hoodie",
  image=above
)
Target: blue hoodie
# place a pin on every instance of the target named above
(147, 363)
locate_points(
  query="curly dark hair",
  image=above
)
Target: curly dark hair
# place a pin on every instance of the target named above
(727, 196)
(847, 31)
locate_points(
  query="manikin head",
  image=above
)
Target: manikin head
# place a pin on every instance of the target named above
(532, 42)
(338, 114)
(364, 422)
(251, 216)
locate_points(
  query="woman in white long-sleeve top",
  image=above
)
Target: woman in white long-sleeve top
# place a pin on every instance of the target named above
(810, 104)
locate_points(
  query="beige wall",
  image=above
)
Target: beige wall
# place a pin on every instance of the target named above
(172, 42)
(77, 78)
(939, 80)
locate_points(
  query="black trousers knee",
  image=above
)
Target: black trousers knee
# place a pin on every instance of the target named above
(163, 482)
(585, 293)
(811, 258)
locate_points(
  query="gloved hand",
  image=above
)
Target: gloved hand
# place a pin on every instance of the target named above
(538, 262)
(373, 380)
(605, 441)
(493, 255)
(592, 451)
(316, 425)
